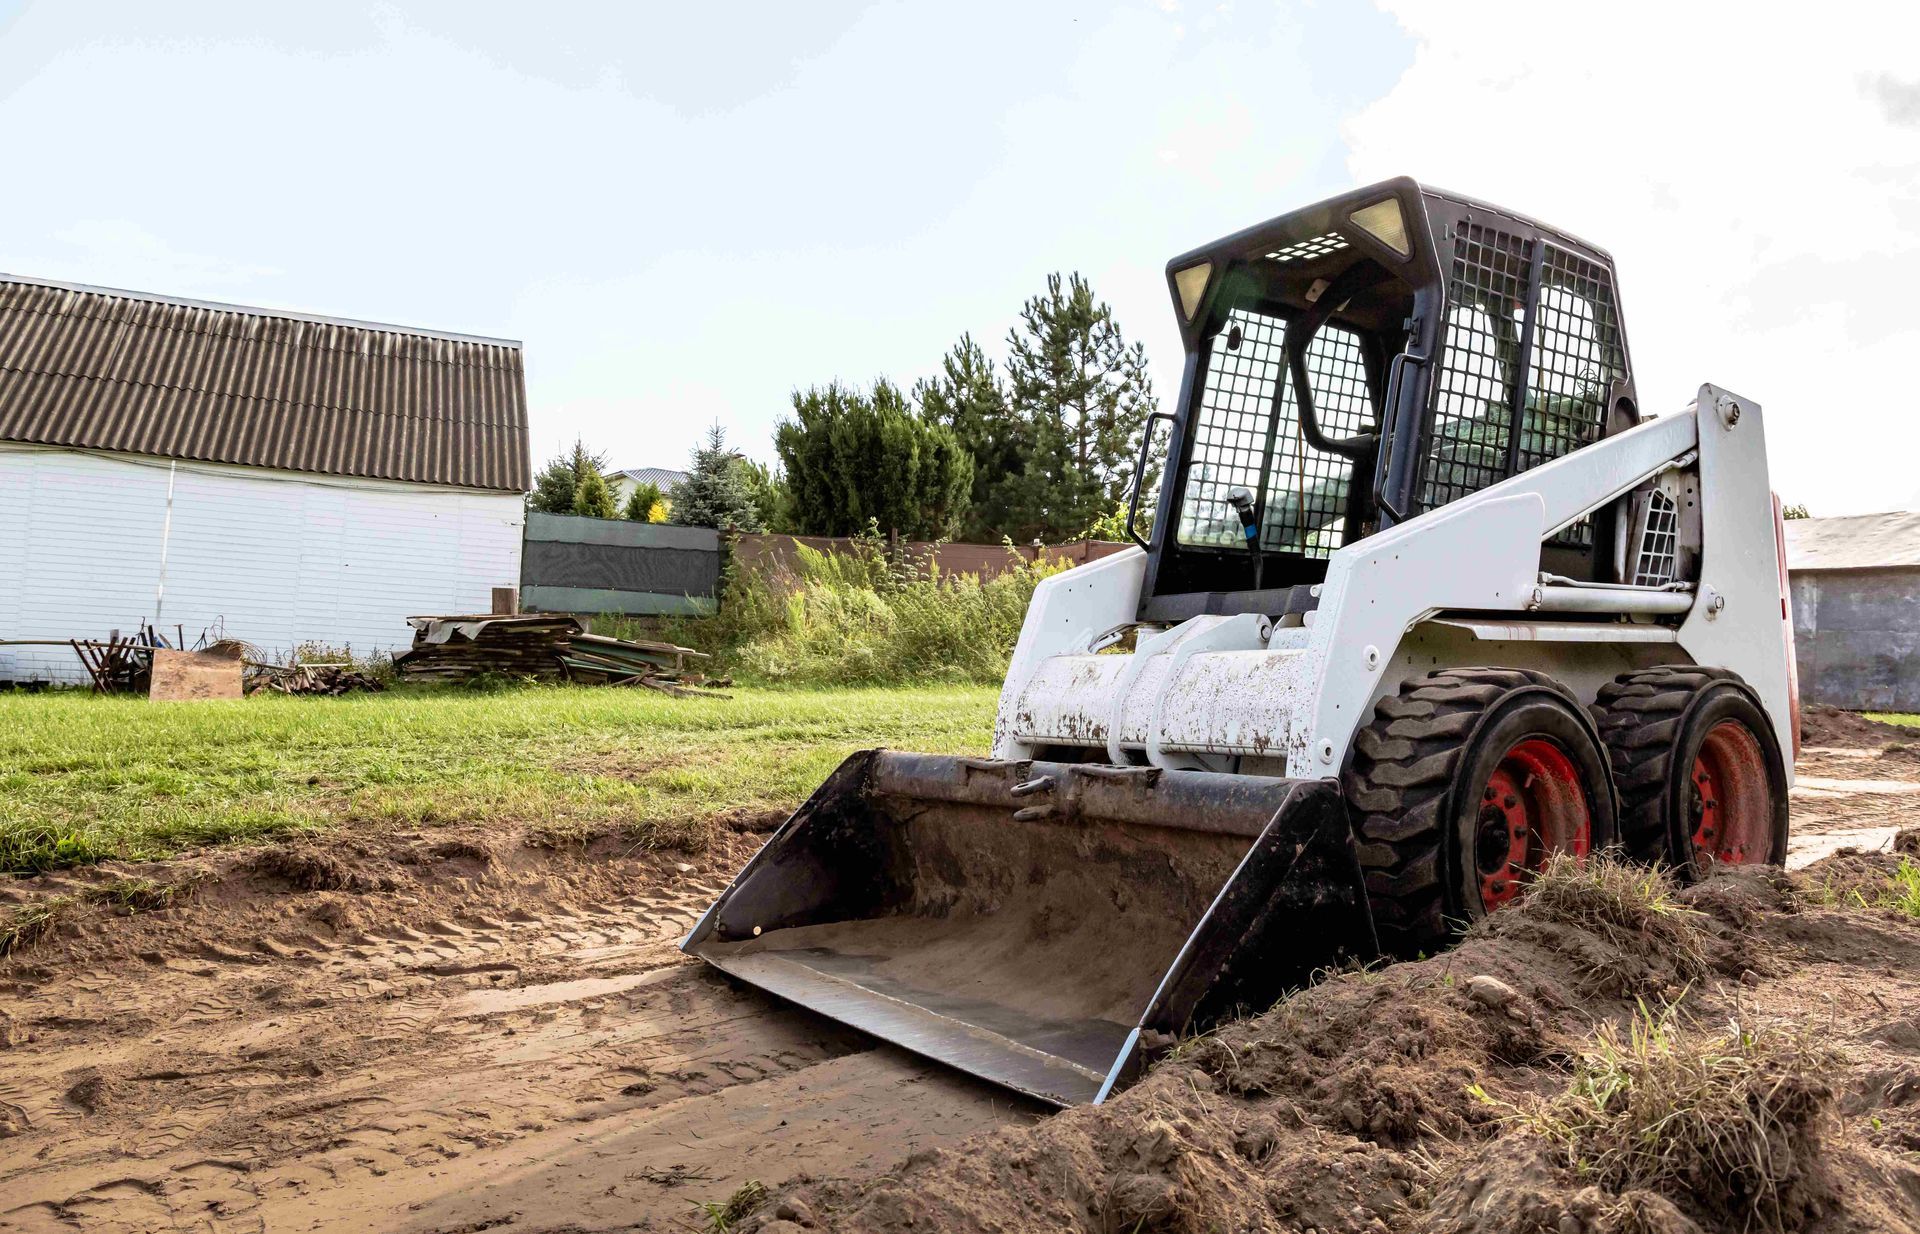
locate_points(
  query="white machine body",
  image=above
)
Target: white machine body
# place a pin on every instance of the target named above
(1458, 585)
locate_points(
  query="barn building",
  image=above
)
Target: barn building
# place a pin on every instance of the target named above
(1856, 609)
(274, 477)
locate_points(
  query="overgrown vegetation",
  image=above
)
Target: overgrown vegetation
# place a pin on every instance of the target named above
(1724, 1119)
(866, 616)
(84, 778)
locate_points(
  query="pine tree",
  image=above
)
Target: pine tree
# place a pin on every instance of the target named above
(641, 502)
(968, 398)
(854, 458)
(1082, 396)
(717, 491)
(554, 488)
(592, 498)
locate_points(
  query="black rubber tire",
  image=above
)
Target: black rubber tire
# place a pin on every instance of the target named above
(1413, 783)
(1653, 722)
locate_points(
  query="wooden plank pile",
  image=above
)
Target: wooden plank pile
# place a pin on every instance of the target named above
(596, 660)
(456, 648)
(543, 647)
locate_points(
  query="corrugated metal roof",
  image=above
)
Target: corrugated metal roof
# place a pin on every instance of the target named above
(1856, 542)
(664, 477)
(96, 368)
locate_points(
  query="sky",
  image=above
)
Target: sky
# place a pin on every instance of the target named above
(685, 212)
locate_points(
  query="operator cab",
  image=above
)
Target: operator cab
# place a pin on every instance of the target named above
(1358, 362)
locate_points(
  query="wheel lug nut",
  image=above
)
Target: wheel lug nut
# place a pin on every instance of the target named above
(1511, 801)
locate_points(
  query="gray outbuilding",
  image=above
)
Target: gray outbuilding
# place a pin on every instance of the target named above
(1856, 609)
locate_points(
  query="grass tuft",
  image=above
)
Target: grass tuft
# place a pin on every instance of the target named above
(28, 925)
(1633, 910)
(31, 923)
(721, 1216)
(1725, 1119)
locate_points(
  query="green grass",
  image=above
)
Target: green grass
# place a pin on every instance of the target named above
(1905, 719)
(86, 778)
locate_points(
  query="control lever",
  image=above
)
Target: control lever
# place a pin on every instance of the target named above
(1242, 501)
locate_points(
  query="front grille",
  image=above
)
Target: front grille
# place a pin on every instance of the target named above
(1657, 562)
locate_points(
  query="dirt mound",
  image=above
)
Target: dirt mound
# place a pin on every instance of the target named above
(304, 868)
(1501, 1086)
(1821, 725)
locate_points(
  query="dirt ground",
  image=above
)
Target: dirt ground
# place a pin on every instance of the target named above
(428, 1035)
(445, 1032)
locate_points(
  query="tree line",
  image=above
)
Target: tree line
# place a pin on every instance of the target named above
(1039, 446)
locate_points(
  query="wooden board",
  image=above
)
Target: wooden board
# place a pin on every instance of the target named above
(183, 675)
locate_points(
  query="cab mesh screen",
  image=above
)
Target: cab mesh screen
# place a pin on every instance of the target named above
(1473, 388)
(1574, 356)
(1236, 438)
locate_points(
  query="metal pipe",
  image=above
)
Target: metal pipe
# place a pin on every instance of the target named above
(1549, 599)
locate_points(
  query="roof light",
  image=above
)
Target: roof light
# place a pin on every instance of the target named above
(1383, 221)
(1192, 283)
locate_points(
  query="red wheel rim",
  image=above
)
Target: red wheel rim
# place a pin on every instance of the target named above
(1533, 805)
(1729, 799)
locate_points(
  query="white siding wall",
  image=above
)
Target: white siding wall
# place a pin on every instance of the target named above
(276, 558)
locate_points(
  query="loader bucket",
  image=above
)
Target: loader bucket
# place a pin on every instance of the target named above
(1046, 926)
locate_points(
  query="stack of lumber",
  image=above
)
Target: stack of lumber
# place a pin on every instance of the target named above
(597, 660)
(456, 648)
(543, 647)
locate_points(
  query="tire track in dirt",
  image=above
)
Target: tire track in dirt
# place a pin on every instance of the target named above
(563, 1067)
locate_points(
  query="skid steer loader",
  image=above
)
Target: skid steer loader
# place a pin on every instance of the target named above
(1427, 599)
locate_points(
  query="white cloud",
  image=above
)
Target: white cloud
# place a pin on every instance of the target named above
(1756, 179)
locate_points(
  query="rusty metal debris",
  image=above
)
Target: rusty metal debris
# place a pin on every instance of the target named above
(327, 679)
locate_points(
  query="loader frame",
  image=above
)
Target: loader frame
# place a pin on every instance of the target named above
(1427, 601)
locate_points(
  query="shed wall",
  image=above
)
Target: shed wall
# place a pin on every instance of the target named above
(275, 558)
(1857, 637)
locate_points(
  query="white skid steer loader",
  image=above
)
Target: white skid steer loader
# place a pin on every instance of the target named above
(1427, 599)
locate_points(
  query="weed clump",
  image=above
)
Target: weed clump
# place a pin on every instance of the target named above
(1726, 1121)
